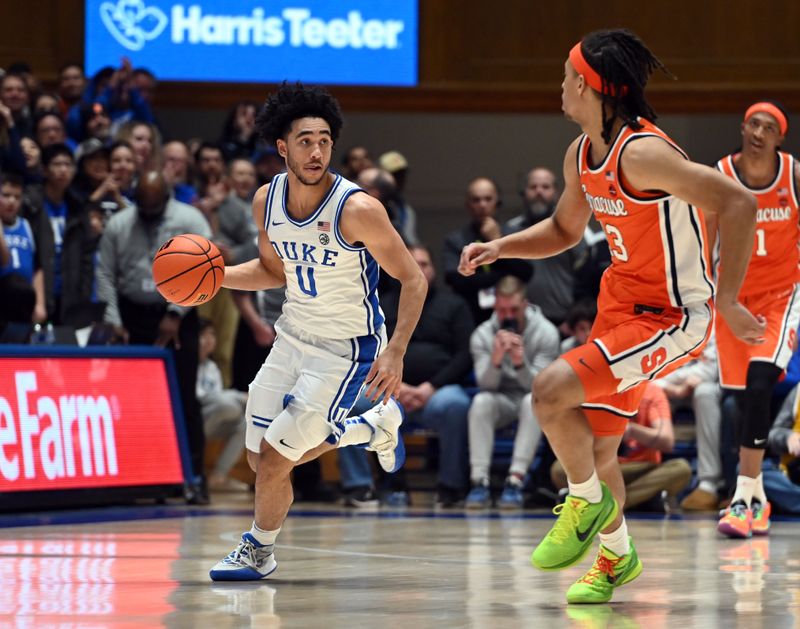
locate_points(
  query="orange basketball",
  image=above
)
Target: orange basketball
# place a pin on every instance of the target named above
(188, 270)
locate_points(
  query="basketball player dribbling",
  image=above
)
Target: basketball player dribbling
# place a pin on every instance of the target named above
(655, 302)
(322, 237)
(770, 291)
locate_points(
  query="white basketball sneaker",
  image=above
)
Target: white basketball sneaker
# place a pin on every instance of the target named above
(386, 442)
(250, 561)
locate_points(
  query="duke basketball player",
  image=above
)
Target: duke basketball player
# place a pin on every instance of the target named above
(322, 237)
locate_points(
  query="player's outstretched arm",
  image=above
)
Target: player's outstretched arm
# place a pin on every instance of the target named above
(652, 164)
(564, 229)
(265, 271)
(365, 220)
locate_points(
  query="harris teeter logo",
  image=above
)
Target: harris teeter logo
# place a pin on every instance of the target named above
(133, 24)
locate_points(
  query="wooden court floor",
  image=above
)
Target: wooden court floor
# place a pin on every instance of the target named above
(415, 568)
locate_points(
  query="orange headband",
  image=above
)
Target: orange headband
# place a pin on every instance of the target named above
(772, 110)
(592, 76)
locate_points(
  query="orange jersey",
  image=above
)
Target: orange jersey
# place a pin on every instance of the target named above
(775, 258)
(658, 244)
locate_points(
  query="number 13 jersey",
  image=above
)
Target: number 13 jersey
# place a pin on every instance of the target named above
(774, 262)
(658, 244)
(331, 285)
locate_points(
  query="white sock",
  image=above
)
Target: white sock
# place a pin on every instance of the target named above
(744, 489)
(758, 490)
(708, 486)
(356, 431)
(617, 541)
(589, 489)
(265, 538)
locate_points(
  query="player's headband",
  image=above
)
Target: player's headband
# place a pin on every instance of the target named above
(592, 76)
(772, 110)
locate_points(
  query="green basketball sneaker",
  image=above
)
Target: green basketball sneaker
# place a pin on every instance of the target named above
(607, 572)
(573, 533)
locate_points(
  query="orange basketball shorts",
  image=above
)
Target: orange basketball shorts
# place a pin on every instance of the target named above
(631, 344)
(781, 309)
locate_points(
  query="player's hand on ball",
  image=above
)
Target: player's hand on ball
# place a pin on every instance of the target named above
(385, 376)
(477, 254)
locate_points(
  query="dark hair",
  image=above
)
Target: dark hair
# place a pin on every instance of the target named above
(70, 64)
(19, 67)
(624, 64)
(15, 75)
(145, 72)
(582, 310)
(229, 129)
(293, 101)
(12, 179)
(49, 153)
(348, 152)
(118, 143)
(45, 114)
(204, 146)
(204, 324)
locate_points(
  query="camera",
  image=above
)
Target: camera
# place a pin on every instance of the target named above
(510, 324)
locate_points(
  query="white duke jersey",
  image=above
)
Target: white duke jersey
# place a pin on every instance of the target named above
(331, 285)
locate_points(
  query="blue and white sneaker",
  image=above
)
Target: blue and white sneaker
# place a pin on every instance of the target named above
(250, 561)
(386, 442)
(512, 497)
(478, 497)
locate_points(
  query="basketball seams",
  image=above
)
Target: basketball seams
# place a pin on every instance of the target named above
(206, 250)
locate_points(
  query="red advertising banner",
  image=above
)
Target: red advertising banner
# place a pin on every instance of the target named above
(78, 423)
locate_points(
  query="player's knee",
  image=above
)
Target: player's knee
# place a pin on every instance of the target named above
(271, 464)
(550, 391)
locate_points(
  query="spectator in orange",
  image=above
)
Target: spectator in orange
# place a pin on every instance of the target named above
(649, 435)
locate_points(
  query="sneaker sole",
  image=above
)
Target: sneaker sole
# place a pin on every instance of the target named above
(761, 532)
(731, 531)
(585, 551)
(637, 570)
(239, 575)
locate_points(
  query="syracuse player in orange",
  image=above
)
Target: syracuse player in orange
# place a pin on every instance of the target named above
(769, 291)
(654, 308)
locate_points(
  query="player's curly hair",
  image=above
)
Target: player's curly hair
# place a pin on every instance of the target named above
(293, 101)
(624, 64)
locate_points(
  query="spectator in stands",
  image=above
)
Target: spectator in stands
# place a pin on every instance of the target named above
(95, 185)
(782, 483)
(242, 179)
(63, 238)
(482, 202)
(268, 163)
(32, 156)
(508, 350)
(222, 410)
(12, 153)
(437, 364)
(14, 94)
(94, 123)
(123, 100)
(122, 162)
(176, 171)
(23, 69)
(258, 313)
(381, 185)
(552, 284)
(96, 86)
(144, 81)
(239, 133)
(71, 83)
(354, 160)
(47, 102)
(648, 436)
(145, 140)
(135, 308)
(48, 129)
(235, 234)
(406, 218)
(21, 281)
(696, 384)
(578, 325)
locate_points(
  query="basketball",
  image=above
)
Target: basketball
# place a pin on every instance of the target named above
(188, 270)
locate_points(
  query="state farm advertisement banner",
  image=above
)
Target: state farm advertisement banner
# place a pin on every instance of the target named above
(69, 423)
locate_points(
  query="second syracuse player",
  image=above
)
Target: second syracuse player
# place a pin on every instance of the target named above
(770, 290)
(654, 308)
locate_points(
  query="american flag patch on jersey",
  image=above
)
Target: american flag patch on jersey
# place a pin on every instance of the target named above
(324, 226)
(609, 175)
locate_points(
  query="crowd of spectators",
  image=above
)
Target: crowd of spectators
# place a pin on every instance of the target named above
(91, 184)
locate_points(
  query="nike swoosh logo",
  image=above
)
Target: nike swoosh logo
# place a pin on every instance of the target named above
(583, 362)
(274, 224)
(283, 443)
(582, 535)
(759, 442)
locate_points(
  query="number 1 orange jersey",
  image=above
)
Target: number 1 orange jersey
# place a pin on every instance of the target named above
(658, 244)
(774, 262)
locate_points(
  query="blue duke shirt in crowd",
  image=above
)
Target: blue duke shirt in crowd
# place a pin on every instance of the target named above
(331, 284)
(58, 220)
(22, 247)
